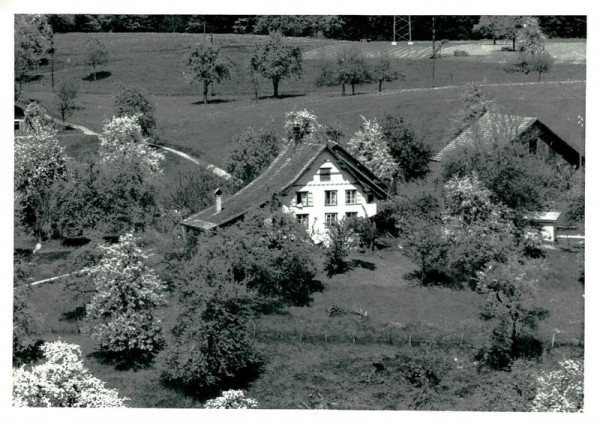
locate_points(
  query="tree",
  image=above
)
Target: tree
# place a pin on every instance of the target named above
(349, 67)
(560, 390)
(539, 63)
(32, 37)
(305, 123)
(369, 147)
(122, 139)
(500, 27)
(121, 313)
(40, 162)
(134, 102)
(253, 152)
(62, 381)
(410, 153)
(382, 70)
(206, 65)
(25, 321)
(339, 234)
(418, 222)
(96, 54)
(530, 38)
(65, 99)
(476, 230)
(211, 346)
(277, 61)
(510, 307)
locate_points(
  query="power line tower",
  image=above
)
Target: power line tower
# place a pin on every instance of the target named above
(402, 29)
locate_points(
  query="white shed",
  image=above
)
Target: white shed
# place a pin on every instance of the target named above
(546, 222)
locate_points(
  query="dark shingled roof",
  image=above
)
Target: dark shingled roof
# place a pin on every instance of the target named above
(490, 127)
(282, 173)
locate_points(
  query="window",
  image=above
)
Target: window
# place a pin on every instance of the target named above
(330, 198)
(350, 215)
(303, 219)
(533, 146)
(325, 174)
(370, 198)
(302, 198)
(351, 197)
(330, 219)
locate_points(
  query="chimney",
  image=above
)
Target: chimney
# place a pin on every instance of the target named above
(218, 204)
(296, 132)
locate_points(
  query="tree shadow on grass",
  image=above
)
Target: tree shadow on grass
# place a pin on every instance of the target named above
(213, 101)
(76, 314)
(123, 362)
(281, 96)
(358, 263)
(32, 78)
(99, 76)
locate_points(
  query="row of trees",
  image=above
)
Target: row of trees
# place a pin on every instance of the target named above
(355, 27)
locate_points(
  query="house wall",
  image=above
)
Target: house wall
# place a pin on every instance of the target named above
(340, 181)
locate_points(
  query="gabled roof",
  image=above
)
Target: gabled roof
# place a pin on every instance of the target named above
(281, 174)
(491, 127)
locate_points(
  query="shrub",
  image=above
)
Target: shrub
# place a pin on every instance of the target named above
(25, 323)
(560, 390)
(231, 399)
(62, 381)
(340, 234)
(211, 347)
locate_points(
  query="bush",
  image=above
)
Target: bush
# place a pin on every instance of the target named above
(211, 347)
(62, 381)
(340, 234)
(25, 343)
(231, 399)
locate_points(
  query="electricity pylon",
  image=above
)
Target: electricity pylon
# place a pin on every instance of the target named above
(402, 29)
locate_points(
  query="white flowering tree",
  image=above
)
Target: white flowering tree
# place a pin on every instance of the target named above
(63, 381)
(121, 313)
(231, 399)
(122, 140)
(369, 147)
(305, 120)
(560, 390)
(39, 163)
(477, 230)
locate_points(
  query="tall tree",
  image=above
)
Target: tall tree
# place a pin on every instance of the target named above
(411, 154)
(133, 102)
(382, 70)
(277, 61)
(500, 27)
(121, 315)
(206, 65)
(65, 99)
(32, 41)
(96, 54)
(370, 148)
(475, 103)
(253, 152)
(349, 67)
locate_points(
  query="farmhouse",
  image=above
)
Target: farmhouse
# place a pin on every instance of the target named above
(319, 183)
(503, 128)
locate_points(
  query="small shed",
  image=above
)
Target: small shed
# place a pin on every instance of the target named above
(546, 222)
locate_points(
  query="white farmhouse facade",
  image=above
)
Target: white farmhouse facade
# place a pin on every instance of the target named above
(327, 193)
(319, 183)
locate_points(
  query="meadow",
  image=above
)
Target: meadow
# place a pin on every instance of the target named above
(156, 63)
(310, 352)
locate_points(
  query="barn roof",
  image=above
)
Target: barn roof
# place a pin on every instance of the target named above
(281, 174)
(490, 127)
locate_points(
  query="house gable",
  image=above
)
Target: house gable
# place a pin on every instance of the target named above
(292, 164)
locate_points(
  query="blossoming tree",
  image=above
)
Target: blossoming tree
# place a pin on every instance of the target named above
(369, 147)
(62, 380)
(560, 390)
(231, 399)
(121, 313)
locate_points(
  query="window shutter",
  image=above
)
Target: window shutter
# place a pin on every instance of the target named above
(359, 197)
(309, 199)
(294, 198)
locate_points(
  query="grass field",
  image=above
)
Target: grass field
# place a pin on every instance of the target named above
(155, 62)
(342, 348)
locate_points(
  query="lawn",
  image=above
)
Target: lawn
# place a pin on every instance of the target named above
(155, 62)
(400, 315)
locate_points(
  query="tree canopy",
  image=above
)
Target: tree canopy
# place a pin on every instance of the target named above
(206, 66)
